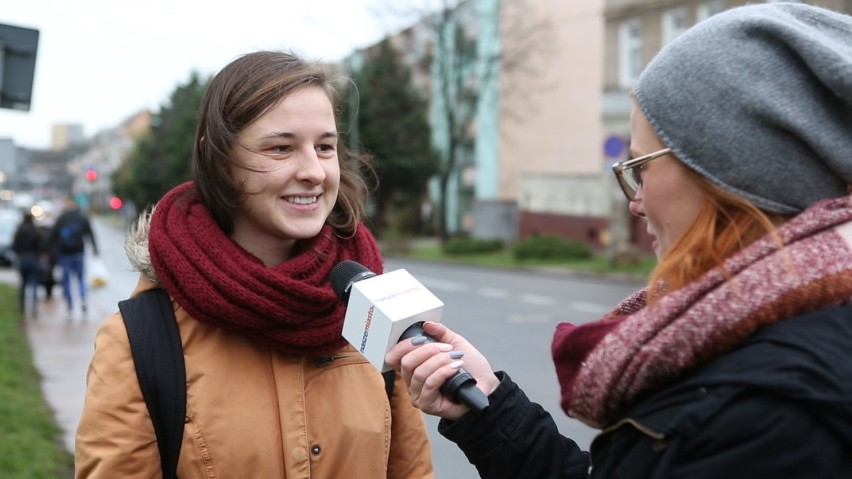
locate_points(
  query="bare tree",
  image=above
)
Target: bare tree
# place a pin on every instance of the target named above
(476, 49)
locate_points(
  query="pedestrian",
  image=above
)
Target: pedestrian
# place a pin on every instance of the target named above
(245, 251)
(735, 361)
(29, 247)
(48, 263)
(67, 242)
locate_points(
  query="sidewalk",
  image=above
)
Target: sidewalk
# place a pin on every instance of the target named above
(62, 347)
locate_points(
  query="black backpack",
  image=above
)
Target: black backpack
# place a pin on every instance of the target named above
(158, 357)
(70, 237)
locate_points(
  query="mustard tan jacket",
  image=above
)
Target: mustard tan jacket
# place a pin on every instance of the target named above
(251, 413)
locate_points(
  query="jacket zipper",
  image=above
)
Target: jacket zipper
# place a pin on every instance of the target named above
(636, 424)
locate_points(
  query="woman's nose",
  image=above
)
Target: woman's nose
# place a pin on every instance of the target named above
(310, 168)
(636, 208)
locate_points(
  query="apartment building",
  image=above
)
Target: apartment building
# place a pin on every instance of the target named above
(537, 116)
(549, 161)
(65, 135)
(554, 116)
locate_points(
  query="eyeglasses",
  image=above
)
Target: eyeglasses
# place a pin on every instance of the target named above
(629, 174)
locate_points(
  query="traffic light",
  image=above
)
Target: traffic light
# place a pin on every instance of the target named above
(115, 203)
(91, 174)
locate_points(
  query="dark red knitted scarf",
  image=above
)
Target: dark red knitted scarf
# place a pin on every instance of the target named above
(289, 307)
(603, 367)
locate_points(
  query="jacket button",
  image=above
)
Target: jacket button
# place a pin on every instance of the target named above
(315, 450)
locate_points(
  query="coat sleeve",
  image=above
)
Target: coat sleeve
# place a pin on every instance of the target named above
(91, 234)
(515, 438)
(18, 241)
(410, 454)
(115, 437)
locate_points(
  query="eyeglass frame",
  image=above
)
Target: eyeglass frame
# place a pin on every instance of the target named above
(623, 167)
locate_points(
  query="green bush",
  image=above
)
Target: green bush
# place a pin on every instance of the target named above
(550, 247)
(465, 245)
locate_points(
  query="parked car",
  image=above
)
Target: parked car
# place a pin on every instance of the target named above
(9, 221)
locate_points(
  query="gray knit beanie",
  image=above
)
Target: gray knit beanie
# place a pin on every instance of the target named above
(758, 100)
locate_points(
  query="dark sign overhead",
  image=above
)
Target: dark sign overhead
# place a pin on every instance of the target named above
(18, 48)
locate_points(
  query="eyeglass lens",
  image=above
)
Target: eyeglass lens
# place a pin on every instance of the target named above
(635, 175)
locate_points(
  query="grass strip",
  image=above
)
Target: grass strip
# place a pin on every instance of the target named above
(30, 439)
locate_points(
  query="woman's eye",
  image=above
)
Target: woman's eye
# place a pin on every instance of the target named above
(637, 174)
(280, 148)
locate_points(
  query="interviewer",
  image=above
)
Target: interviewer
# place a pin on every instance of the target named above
(736, 360)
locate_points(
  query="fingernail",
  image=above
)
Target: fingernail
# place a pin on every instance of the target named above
(456, 364)
(456, 354)
(418, 340)
(444, 347)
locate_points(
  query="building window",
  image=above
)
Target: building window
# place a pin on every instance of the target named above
(674, 23)
(708, 9)
(630, 52)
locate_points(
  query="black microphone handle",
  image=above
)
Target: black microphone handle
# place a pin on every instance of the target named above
(461, 388)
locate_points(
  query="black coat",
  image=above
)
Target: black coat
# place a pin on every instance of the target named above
(28, 241)
(79, 222)
(780, 405)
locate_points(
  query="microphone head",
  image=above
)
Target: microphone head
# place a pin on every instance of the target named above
(345, 274)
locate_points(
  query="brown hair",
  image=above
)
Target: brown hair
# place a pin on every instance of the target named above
(725, 224)
(239, 94)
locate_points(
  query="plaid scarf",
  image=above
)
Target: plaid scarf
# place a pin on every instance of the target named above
(289, 307)
(603, 367)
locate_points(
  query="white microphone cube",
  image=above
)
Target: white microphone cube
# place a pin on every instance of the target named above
(381, 308)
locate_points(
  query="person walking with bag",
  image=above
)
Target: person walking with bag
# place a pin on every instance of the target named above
(735, 361)
(245, 251)
(67, 240)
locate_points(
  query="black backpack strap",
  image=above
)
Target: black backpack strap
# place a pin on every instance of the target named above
(158, 356)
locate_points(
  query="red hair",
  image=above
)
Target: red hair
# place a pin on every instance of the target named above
(725, 224)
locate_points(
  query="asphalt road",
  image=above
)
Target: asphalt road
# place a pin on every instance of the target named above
(510, 315)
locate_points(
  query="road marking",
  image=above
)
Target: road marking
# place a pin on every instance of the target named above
(494, 293)
(529, 318)
(439, 284)
(590, 307)
(443, 285)
(536, 299)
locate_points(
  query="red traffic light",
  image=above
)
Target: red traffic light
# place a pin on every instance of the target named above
(115, 203)
(91, 174)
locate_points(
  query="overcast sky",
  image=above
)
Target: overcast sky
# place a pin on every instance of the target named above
(101, 61)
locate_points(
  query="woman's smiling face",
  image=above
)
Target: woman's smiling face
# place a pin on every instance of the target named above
(290, 175)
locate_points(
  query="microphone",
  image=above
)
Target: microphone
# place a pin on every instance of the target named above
(382, 310)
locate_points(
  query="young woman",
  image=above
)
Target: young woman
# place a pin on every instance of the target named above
(245, 251)
(736, 360)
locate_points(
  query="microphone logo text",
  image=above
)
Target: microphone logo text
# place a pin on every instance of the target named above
(367, 329)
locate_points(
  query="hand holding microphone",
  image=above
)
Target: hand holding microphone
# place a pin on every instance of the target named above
(383, 310)
(425, 368)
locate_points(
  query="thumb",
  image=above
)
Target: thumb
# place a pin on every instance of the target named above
(436, 330)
